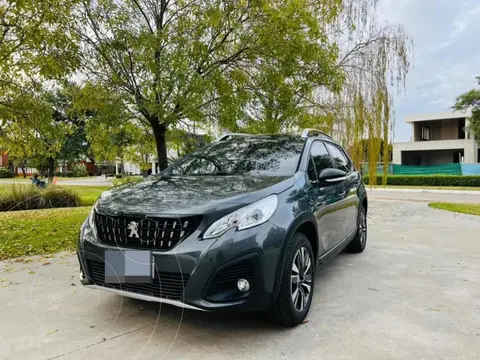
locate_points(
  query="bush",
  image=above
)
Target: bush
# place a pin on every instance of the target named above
(126, 180)
(29, 197)
(91, 173)
(69, 174)
(80, 170)
(5, 173)
(429, 180)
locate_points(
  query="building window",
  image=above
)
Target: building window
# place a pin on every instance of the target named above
(425, 133)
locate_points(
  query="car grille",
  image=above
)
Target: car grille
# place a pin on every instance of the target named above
(164, 285)
(143, 232)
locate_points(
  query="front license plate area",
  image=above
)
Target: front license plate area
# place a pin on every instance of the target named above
(128, 267)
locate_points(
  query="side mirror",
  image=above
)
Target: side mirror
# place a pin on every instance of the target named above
(331, 176)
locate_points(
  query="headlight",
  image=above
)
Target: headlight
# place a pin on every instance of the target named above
(244, 218)
(91, 221)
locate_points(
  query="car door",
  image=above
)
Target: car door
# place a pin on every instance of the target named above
(324, 199)
(349, 195)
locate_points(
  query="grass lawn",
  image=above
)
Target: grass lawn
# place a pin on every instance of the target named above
(88, 194)
(427, 187)
(472, 209)
(35, 232)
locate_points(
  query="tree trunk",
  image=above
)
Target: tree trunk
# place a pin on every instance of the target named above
(160, 141)
(24, 169)
(51, 169)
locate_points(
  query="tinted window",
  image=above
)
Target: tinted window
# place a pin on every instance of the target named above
(256, 155)
(320, 156)
(339, 157)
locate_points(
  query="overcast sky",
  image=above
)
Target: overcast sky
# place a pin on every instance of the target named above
(446, 35)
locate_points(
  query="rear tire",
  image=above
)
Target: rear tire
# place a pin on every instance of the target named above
(357, 245)
(297, 284)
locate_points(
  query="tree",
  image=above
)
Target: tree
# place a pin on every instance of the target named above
(41, 127)
(471, 100)
(35, 44)
(201, 61)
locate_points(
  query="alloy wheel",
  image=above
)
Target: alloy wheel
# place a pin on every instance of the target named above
(301, 279)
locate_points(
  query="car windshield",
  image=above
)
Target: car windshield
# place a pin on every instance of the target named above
(257, 155)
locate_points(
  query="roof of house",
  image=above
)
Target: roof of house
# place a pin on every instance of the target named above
(438, 116)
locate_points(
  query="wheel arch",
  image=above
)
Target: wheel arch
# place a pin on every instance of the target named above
(306, 224)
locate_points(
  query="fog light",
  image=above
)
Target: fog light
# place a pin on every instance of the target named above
(81, 275)
(243, 285)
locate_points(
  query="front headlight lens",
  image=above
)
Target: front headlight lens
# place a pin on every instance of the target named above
(91, 221)
(244, 218)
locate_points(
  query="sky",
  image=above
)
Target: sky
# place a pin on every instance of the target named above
(446, 55)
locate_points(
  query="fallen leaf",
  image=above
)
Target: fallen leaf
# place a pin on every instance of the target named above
(31, 272)
(52, 332)
(47, 263)
(305, 321)
(92, 326)
(434, 309)
(2, 280)
(19, 260)
(373, 289)
(73, 284)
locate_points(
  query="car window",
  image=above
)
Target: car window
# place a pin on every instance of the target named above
(257, 155)
(339, 157)
(321, 157)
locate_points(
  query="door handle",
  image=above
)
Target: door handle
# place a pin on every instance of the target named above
(343, 194)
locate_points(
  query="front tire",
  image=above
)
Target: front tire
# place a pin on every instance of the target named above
(297, 283)
(357, 245)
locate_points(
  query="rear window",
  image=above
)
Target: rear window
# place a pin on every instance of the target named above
(256, 155)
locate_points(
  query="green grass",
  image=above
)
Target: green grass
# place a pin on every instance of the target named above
(88, 194)
(471, 209)
(36, 232)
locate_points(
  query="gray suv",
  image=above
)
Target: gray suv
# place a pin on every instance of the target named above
(240, 224)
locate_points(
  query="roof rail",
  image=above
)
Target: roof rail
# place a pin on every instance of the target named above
(313, 132)
(230, 135)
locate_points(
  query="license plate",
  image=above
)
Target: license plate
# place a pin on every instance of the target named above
(130, 266)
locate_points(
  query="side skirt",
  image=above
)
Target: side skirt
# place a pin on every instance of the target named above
(337, 249)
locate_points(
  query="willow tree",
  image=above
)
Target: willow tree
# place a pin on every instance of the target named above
(180, 61)
(375, 60)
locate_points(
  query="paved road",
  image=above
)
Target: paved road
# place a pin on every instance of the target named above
(412, 294)
(425, 195)
(88, 181)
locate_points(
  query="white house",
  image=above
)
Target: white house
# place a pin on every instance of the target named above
(437, 139)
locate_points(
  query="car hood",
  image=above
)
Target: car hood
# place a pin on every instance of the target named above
(189, 195)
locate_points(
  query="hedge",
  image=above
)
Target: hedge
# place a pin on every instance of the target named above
(5, 173)
(29, 197)
(429, 180)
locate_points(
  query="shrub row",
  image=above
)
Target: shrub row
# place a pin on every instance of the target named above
(5, 173)
(429, 180)
(29, 197)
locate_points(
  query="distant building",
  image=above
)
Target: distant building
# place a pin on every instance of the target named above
(437, 139)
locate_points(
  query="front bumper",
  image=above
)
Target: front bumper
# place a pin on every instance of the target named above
(198, 265)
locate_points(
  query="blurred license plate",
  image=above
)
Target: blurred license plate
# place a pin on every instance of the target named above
(131, 266)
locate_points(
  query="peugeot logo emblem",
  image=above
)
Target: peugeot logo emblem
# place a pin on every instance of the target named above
(133, 227)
